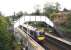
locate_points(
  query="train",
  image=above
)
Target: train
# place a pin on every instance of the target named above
(33, 32)
(38, 35)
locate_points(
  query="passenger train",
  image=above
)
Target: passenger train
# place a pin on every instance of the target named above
(33, 32)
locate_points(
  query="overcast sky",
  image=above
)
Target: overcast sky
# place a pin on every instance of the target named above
(9, 6)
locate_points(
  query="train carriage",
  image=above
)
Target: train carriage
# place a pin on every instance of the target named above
(34, 32)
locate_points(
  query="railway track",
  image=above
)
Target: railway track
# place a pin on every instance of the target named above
(48, 45)
(60, 42)
(60, 45)
(53, 44)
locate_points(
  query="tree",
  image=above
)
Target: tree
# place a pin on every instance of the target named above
(25, 13)
(57, 7)
(65, 10)
(49, 10)
(19, 14)
(5, 35)
(16, 16)
(37, 12)
(13, 17)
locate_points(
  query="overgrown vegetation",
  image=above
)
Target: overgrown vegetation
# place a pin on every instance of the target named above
(6, 37)
(66, 27)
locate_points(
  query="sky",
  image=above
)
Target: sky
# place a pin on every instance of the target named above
(8, 7)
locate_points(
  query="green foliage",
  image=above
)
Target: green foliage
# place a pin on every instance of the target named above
(57, 7)
(49, 10)
(37, 12)
(16, 16)
(5, 35)
(65, 30)
(19, 14)
(65, 10)
(66, 27)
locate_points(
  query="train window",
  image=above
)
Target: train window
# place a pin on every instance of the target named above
(32, 32)
(20, 26)
(25, 28)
